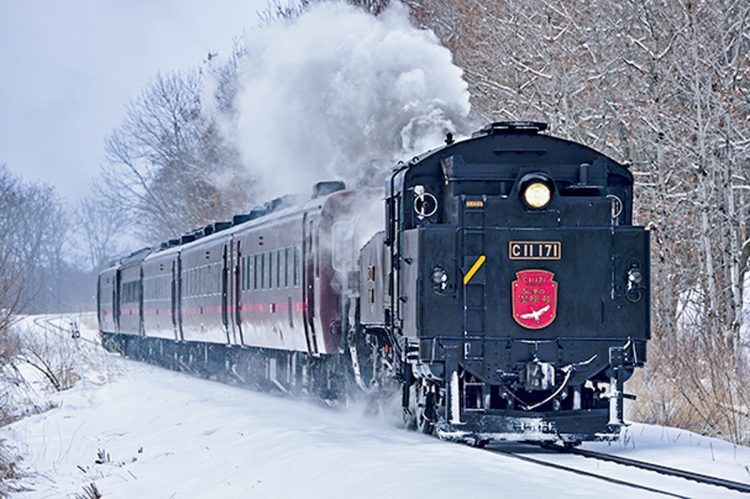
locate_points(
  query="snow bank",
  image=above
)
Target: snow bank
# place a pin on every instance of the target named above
(156, 433)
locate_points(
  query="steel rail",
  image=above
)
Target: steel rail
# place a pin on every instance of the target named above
(56, 328)
(585, 473)
(657, 468)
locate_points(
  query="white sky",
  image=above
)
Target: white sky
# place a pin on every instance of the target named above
(68, 69)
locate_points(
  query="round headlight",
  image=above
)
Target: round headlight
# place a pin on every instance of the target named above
(439, 276)
(537, 195)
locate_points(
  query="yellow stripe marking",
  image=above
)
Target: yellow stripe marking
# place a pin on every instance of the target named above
(473, 269)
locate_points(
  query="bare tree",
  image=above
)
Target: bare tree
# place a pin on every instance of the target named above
(34, 228)
(101, 227)
(168, 169)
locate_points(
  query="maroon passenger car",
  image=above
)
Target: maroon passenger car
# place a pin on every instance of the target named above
(271, 282)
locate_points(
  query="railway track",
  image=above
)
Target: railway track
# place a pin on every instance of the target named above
(714, 483)
(657, 468)
(581, 472)
(46, 322)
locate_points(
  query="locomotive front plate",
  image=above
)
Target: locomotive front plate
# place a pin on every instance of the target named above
(534, 250)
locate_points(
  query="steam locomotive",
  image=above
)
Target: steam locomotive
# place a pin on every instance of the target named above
(497, 285)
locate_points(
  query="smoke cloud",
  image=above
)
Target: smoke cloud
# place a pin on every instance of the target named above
(340, 94)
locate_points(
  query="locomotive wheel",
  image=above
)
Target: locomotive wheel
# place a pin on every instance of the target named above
(425, 417)
(409, 419)
(409, 414)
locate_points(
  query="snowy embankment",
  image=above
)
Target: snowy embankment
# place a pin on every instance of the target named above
(139, 431)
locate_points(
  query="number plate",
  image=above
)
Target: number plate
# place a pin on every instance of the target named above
(534, 250)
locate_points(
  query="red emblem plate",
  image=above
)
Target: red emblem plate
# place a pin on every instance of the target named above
(534, 298)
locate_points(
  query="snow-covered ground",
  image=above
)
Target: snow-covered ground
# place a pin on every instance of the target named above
(139, 431)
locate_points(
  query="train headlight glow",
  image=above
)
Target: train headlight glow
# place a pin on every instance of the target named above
(537, 195)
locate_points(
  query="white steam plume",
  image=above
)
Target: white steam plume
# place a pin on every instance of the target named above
(340, 94)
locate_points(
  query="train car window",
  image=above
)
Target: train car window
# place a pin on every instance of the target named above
(263, 270)
(243, 263)
(245, 272)
(130, 292)
(256, 266)
(250, 271)
(268, 273)
(316, 255)
(297, 266)
(280, 269)
(287, 266)
(274, 264)
(272, 269)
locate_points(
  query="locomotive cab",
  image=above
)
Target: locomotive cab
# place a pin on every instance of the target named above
(514, 286)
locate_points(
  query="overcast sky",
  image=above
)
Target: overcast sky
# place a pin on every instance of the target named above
(68, 69)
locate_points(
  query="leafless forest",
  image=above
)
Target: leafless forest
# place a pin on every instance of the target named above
(661, 85)
(664, 87)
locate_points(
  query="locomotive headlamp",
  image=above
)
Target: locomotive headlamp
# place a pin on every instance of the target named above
(439, 278)
(537, 195)
(635, 276)
(634, 292)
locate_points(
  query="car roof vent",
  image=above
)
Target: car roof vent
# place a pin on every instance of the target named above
(244, 217)
(324, 188)
(219, 226)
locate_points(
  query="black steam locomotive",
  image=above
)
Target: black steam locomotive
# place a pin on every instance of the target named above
(505, 295)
